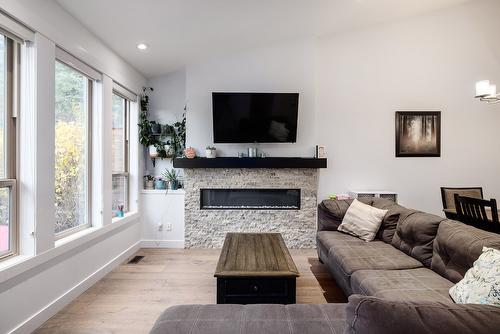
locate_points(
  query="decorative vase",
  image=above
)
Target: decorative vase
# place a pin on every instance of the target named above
(210, 153)
(149, 184)
(173, 184)
(153, 152)
(190, 152)
(160, 184)
(168, 151)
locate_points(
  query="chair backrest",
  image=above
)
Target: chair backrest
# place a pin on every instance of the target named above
(474, 211)
(448, 193)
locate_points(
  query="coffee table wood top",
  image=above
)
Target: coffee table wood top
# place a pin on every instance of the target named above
(255, 255)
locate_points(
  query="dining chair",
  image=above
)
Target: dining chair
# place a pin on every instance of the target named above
(447, 196)
(477, 212)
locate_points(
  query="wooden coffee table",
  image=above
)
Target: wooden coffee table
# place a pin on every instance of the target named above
(255, 268)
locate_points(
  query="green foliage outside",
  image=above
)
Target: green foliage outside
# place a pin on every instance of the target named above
(70, 148)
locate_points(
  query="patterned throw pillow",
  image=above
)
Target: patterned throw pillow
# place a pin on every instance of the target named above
(362, 220)
(481, 283)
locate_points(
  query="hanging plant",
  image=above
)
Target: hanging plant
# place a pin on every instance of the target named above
(169, 140)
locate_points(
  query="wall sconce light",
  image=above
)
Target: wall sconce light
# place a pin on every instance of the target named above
(487, 92)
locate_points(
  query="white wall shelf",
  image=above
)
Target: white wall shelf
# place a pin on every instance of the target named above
(163, 192)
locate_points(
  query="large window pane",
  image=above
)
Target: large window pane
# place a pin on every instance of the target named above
(3, 106)
(120, 155)
(5, 228)
(120, 193)
(71, 148)
(118, 131)
(8, 221)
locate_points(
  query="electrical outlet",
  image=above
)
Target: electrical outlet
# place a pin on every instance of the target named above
(169, 226)
(160, 227)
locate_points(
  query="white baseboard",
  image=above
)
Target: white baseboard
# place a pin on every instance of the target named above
(58, 304)
(162, 243)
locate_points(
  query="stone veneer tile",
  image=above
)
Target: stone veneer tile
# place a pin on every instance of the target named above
(207, 228)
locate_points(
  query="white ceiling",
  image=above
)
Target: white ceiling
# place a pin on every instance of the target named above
(180, 32)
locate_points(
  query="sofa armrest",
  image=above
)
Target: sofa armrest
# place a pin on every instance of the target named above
(331, 213)
(378, 316)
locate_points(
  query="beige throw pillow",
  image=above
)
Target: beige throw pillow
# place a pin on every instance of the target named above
(362, 220)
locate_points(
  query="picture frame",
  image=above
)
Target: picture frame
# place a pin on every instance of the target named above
(418, 133)
(320, 152)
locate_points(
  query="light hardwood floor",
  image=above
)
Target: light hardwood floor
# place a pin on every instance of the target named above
(132, 296)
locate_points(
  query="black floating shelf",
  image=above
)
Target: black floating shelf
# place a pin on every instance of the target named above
(233, 162)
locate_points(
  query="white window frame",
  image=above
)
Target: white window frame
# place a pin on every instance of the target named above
(92, 76)
(126, 150)
(12, 62)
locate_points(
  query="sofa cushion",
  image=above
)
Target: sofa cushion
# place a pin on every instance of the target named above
(379, 316)
(344, 254)
(390, 221)
(415, 234)
(350, 254)
(252, 319)
(457, 246)
(409, 284)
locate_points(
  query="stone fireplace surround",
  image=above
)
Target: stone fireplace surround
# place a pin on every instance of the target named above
(207, 228)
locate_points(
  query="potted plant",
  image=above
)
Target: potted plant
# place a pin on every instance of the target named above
(155, 128)
(210, 152)
(160, 184)
(149, 182)
(153, 151)
(173, 178)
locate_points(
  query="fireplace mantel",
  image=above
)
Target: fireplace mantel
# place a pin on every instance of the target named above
(234, 162)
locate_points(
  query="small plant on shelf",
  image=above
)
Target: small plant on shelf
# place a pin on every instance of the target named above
(149, 182)
(173, 178)
(210, 152)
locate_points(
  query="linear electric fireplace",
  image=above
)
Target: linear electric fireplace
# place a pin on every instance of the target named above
(250, 199)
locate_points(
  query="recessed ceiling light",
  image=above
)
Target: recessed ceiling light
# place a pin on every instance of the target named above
(142, 46)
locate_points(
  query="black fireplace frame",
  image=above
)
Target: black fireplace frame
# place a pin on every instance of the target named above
(259, 209)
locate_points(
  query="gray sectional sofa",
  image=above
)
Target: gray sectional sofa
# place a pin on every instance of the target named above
(397, 283)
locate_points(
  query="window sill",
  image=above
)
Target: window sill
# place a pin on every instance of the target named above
(19, 264)
(127, 217)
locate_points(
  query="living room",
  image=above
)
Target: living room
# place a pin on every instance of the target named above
(386, 114)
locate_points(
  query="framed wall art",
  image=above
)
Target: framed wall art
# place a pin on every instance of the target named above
(418, 134)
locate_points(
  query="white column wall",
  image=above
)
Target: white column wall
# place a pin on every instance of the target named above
(44, 144)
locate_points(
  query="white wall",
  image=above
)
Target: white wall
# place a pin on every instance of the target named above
(165, 208)
(283, 68)
(425, 63)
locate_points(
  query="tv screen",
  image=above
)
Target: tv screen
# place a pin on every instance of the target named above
(255, 117)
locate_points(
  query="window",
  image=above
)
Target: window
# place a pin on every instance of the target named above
(120, 155)
(9, 60)
(72, 149)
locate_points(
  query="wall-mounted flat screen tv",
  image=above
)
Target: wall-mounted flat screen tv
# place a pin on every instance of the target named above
(255, 117)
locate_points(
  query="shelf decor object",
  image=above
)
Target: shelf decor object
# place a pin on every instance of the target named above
(487, 92)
